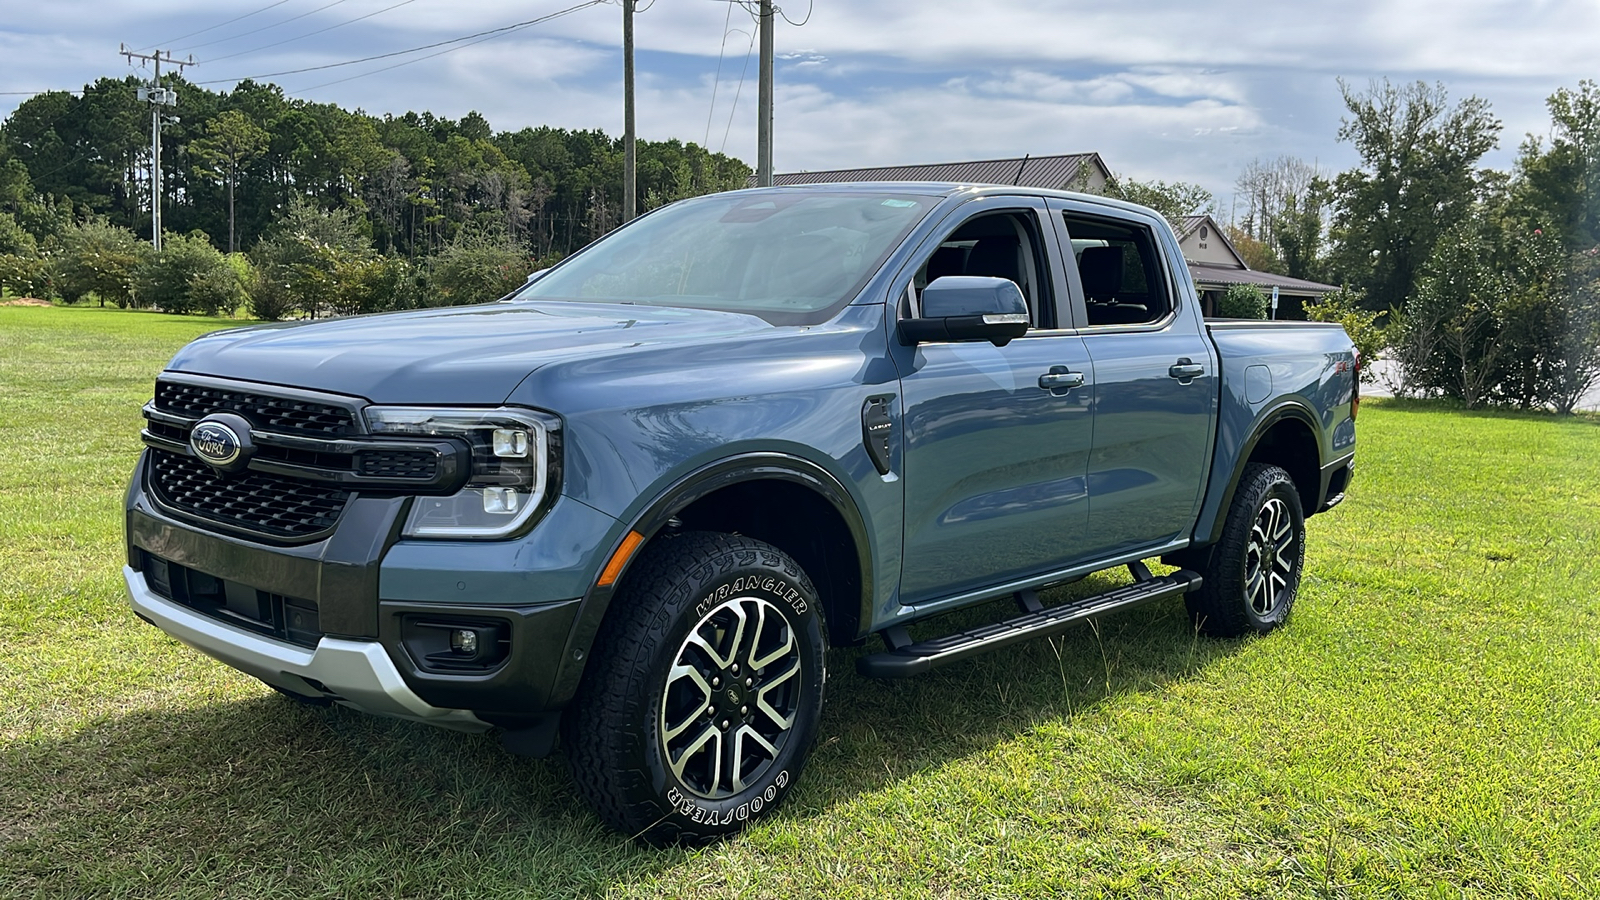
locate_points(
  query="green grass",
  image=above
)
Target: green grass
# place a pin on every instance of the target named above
(1426, 726)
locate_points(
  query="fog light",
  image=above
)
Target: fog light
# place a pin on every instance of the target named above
(464, 641)
(510, 443)
(500, 501)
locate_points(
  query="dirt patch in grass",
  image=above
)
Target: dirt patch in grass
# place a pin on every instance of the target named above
(24, 301)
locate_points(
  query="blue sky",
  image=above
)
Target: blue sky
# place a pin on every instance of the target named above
(1162, 89)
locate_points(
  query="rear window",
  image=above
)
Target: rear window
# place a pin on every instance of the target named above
(1120, 271)
(791, 257)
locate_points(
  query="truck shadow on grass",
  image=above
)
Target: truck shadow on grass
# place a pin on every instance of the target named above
(266, 798)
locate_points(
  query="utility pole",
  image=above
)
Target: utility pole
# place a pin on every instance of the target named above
(764, 101)
(630, 156)
(158, 97)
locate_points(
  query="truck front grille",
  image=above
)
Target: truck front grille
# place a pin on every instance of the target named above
(271, 505)
(282, 414)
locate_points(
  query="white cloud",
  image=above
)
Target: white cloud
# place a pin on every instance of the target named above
(1164, 89)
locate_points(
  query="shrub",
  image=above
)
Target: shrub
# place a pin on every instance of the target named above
(1243, 301)
(188, 275)
(99, 258)
(25, 276)
(477, 269)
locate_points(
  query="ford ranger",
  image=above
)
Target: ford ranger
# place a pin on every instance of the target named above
(627, 509)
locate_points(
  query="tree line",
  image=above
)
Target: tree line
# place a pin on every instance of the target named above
(313, 194)
(1477, 284)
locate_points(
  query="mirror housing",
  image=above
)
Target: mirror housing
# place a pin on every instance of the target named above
(968, 308)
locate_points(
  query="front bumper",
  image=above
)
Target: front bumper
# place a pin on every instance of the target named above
(355, 673)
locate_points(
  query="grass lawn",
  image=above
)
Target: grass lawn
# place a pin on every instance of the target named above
(1426, 726)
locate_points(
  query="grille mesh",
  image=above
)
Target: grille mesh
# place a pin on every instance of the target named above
(255, 501)
(269, 413)
(397, 464)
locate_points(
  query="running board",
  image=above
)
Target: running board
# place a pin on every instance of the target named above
(907, 658)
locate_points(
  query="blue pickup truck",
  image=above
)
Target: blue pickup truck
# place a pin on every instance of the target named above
(628, 508)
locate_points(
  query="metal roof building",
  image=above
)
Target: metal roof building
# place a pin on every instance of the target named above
(1071, 172)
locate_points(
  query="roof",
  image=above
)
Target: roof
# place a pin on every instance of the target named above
(1054, 172)
(1188, 225)
(1204, 274)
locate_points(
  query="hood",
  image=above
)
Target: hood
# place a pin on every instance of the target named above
(462, 355)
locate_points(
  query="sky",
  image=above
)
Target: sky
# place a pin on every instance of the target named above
(1186, 91)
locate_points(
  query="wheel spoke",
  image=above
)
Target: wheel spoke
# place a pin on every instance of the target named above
(1281, 526)
(783, 649)
(717, 659)
(743, 734)
(710, 734)
(1255, 589)
(766, 707)
(679, 673)
(751, 637)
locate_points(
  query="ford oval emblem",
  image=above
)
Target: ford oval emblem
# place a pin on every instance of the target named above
(215, 443)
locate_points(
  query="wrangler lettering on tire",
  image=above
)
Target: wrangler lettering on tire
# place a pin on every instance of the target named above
(702, 700)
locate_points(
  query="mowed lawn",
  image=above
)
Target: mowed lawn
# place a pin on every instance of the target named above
(1426, 726)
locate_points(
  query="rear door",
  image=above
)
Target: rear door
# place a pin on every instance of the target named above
(995, 459)
(1155, 376)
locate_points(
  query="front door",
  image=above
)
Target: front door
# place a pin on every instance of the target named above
(995, 458)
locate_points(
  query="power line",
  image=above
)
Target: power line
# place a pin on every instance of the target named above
(481, 37)
(737, 91)
(37, 93)
(311, 33)
(218, 25)
(810, 7)
(717, 80)
(224, 40)
(493, 32)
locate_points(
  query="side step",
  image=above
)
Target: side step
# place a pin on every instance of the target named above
(907, 659)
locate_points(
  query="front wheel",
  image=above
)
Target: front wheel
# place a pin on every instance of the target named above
(1253, 573)
(703, 697)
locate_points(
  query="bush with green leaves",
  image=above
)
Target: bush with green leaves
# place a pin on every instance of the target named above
(96, 257)
(1343, 305)
(477, 268)
(24, 275)
(188, 275)
(303, 267)
(1242, 301)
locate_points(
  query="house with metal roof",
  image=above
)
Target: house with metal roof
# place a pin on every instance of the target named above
(1068, 172)
(1215, 265)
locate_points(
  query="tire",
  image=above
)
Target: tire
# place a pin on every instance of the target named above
(1253, 574)
(688, 727)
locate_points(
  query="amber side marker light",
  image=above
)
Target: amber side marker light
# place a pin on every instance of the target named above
(619, 559)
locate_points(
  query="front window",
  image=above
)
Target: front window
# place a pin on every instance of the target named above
(790, 257)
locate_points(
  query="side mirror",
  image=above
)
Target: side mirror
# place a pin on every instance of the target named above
(535, 276)
(968, 308)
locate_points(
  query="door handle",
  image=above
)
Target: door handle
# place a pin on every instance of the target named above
(1059, 379)
(1185, 370)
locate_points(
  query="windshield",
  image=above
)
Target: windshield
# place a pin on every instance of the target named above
(789, 257)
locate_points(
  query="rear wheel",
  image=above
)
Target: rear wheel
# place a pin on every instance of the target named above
(1253, 574)
(702, 700)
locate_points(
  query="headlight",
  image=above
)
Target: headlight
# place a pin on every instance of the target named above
(514, 462)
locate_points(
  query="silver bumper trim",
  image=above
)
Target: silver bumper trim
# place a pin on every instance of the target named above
(358, 674)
